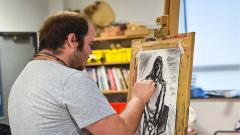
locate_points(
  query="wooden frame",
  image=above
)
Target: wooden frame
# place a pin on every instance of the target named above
(185, 72)
(171, 9)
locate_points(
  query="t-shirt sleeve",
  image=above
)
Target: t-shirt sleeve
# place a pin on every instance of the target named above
(84, 101)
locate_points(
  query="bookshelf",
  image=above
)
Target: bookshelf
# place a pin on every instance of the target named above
(115, 92)
(119, 38)
(107, 63)
(111, 79)
(113, 95)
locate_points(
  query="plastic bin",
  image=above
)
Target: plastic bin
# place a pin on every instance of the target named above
(118, 106)
(96, 56)
(118, 55)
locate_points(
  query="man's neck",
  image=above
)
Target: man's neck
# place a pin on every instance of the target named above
(59, 56)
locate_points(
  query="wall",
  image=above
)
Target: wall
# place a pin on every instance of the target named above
(142, 11)
(22, 15)
(216, 60)
(217, 23)
(216, 54)
(55, 6)
(216, 114)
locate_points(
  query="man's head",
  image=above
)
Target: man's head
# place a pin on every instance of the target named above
(55, 30)
(69, 36)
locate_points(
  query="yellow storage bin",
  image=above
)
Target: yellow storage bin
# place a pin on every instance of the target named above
(126, 54)
(96, 56)
(118, 55)
(113, 56)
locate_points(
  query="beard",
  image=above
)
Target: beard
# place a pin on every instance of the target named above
(81, 67)
(78, 60)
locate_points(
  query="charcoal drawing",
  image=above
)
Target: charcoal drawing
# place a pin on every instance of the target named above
(161, 66)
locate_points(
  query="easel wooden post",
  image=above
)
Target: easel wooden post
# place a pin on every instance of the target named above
(166, 38)
(169, 21)
(171, 8)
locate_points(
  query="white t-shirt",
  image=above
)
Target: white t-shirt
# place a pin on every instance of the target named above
(50, 99)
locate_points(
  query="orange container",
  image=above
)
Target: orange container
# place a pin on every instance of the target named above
(118, 106)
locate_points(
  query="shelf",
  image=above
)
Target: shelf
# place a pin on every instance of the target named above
(107, 63)
(115, 92)
(215, 99)
(119, 37)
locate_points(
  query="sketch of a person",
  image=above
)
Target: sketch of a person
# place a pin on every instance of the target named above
(156, 112)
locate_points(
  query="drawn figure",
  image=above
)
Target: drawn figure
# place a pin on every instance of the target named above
(156, 112)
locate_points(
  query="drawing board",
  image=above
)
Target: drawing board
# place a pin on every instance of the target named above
(168, 62)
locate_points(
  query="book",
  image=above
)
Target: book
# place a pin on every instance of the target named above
(100, 83)
(121, 78)
(117, 80)
(104, 78)
(125, 73)
(111, 79)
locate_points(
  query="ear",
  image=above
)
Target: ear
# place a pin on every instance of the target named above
(71, 40)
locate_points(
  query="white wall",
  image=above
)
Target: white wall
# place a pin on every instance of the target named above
(217, 26)
(216, 60)
(22, 15)
(142, 11)
(218, 80)
(55, 6)
(217, 44)
(216, 114)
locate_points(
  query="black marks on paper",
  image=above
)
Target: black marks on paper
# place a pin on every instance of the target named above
(156, 115)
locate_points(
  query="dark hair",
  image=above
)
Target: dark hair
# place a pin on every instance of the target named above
(55, 30)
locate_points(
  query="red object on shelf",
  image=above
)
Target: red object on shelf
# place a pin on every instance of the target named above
(118, 106)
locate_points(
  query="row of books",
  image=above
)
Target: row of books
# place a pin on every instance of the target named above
(109, 78)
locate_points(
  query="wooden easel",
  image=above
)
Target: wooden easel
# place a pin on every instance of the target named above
(166, 37)
(169, 21)
(185, 72)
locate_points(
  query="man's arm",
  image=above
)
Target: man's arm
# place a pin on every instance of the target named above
(127, 122)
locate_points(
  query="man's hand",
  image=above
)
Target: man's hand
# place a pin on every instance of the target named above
(143, 89)
(127, 122)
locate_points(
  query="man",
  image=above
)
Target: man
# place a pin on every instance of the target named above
(51, 97)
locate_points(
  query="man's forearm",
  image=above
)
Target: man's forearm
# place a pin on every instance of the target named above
(132, 114)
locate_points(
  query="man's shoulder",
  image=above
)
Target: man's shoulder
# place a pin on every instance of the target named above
(49, 66)
(79, 76)
(52, 69)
